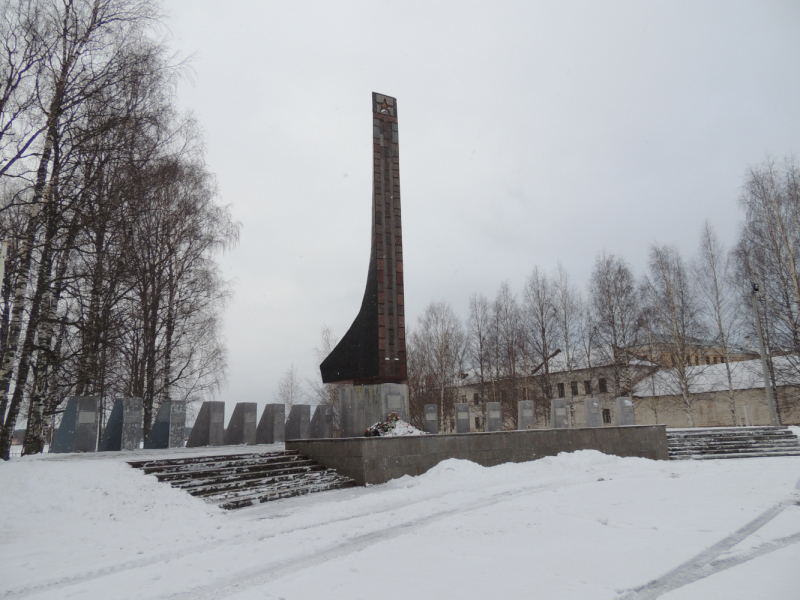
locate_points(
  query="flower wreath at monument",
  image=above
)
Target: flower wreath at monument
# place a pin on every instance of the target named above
(393, 426)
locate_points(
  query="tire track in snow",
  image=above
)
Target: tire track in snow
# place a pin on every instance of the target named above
(235, 539)
(706, 564)
(294, 564)
(245, 580)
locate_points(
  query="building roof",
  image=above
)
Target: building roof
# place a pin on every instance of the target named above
(599, 358)
(745, 375)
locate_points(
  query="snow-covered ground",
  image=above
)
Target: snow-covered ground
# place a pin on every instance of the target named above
(581, 525)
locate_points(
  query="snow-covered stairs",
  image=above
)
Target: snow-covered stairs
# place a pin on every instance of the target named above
(731, 442)
(238, 480)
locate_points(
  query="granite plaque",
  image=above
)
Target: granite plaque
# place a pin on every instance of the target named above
(494, 417)
(462, 417)
(124, 428)
(591, 413)
(242, 426)
(559, 419)
(169, 428)
(525, 416)
(297, 425)
(624, 413)
(272, 426)
(208, 429)
(322, 422)
(431, 419)
(78, 429)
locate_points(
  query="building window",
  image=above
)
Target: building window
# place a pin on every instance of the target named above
(464, 398)
(606, 415)
(574, 386)
(477, 422)
(601, 384)
(688, 360)
(475, 398)
(722, 359)
(561, 392)
(696, 360)
(708, 360)
(587, 387)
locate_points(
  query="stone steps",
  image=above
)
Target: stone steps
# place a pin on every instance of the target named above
(172, 465)
(232, 471)
(235, 481)
(729, 442)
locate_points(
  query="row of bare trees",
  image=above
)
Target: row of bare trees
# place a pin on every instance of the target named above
(676, 315)
(111, 217)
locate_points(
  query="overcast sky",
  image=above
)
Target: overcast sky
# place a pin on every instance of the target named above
(530, 133)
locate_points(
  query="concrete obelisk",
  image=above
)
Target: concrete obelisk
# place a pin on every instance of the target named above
(371, 357)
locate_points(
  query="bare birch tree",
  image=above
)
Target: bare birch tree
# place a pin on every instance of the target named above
(615, 314)
(541, 333)
(440, 343)
(509, 351)
(768, 254)
(87, 43)
(674, 320)
(568, 307)
(719, 304)
(290, 389)
(99, 157)
(326, 393)
(478, 346)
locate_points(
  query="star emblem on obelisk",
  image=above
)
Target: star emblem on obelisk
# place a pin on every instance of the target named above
(384, 108)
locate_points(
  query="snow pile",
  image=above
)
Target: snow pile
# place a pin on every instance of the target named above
(393, 426)
(574, 526)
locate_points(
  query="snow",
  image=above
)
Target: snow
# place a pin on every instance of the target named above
(402, 428)
(393, 427)
(745, 375)
(581, 525)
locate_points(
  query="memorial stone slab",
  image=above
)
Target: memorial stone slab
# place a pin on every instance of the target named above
(209, 428)
(272, 426)
(297, 426)
(242, 426)
(525, 415)
(462, 417)
(431, 419)
(559, 418)
(494, 417)
(78, 430)
(361, 406)
(624, 413)
(591, 413)
(124, 428)
(322, 422)
(169, 428)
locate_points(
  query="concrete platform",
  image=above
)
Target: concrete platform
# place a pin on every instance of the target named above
(378, 460)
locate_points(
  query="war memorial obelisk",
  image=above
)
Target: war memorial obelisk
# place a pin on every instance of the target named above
(370, 360)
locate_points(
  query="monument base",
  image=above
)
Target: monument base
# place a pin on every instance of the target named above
(364, 405)
(378, 460)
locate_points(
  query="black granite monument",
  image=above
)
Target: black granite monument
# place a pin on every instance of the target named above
(372, 354)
